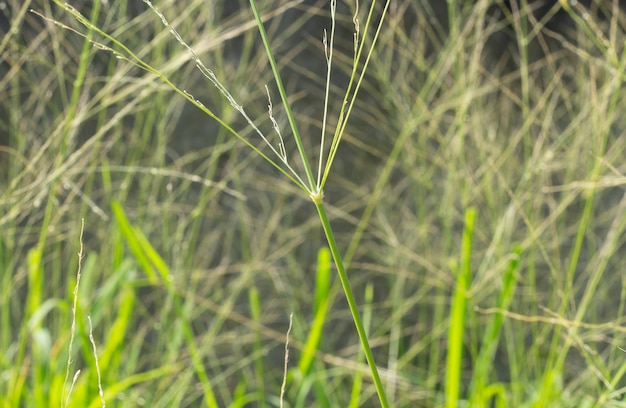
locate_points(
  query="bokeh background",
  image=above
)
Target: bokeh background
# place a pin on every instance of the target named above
(196, 251)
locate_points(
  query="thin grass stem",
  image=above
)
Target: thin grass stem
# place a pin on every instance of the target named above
(283, 97)
(328, 52)
(354, 310)
(458, 315)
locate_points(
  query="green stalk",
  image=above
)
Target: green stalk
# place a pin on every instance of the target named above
(357, 381)
(478, 393)
(283, 97)
(317, 195)
(458, 316)
(343, 277)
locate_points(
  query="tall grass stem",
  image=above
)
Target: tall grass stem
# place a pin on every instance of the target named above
(345, 282)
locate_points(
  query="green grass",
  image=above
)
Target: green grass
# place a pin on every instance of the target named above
(468, 208)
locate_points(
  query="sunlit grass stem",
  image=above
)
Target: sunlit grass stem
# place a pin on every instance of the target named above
(345, 282)
(316, 192)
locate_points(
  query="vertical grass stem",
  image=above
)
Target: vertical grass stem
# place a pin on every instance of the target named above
(283, 96)
(343, 277)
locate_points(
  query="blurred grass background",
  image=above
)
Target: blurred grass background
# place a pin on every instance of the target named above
(479, 199)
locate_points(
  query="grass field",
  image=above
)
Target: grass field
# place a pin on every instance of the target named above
(471, 184)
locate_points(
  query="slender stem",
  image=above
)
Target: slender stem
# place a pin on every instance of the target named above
(283, 96)
(343, 277)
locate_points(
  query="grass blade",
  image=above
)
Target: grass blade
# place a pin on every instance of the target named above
(478, 394)
(322, 304)
(457, 315)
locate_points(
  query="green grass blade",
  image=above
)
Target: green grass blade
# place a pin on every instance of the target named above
(457, 315)
(146, 255)
(321, 310)
(478, 394)
(149, 259)
(128, 382)
(322, 277)
(255, 311)
(152, 255)
(128, 232)
(118, 332)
